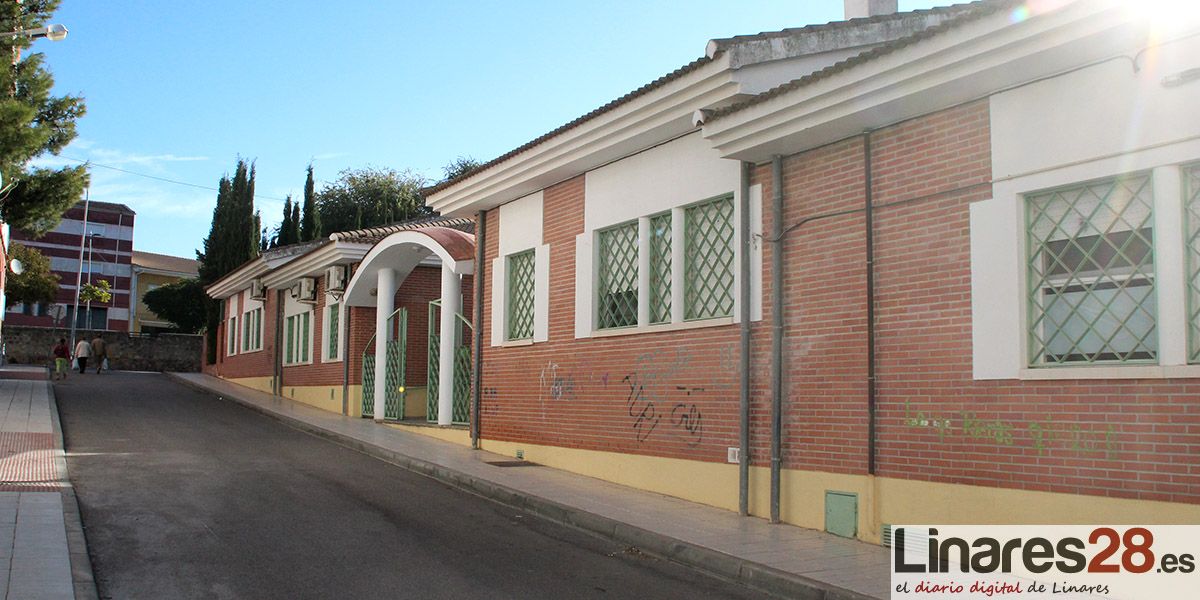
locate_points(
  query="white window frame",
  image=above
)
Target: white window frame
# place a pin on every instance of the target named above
(253, 342)
(326, 312)
(294, 313)
(520, 231)
(589, 242)
(231, 336)
(999, 309)
(232, 327)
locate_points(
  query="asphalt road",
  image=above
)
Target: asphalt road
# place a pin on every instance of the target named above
(186, 496)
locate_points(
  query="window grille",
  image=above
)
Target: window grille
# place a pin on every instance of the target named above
(618, 297)
(520, 295)
(332, 333)
(1091, 273)
(1191, 190)
(660, 268)
(708, 259)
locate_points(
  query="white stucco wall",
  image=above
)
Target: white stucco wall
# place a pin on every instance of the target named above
(1097, 122)
(521, 229)
(669, 176)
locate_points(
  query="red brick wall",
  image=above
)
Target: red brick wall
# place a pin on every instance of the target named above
(416, 291)
(249, 364)
(1130, 439)
(665, 394)
(675, 394)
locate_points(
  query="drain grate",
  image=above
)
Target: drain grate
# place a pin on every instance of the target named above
(512, 463)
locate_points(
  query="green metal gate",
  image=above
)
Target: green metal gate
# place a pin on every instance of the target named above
(393, 376)
(462, 365)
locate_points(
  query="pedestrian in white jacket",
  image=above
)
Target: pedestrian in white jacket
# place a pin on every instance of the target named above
(83, 351)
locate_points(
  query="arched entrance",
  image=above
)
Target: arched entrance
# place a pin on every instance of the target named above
(381, 273)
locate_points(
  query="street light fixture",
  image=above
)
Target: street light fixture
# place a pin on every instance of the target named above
(54, 33)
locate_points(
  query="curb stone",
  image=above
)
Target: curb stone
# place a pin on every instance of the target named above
(83, 579)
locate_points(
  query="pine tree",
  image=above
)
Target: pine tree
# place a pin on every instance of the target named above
(310, 227)
(33, 123)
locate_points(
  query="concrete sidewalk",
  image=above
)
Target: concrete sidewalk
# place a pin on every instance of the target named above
(42, 551)
(782, 559)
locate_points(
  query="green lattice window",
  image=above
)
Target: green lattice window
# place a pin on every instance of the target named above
(296, 332)
(331, 346)
(1191, 202)
(1091, 273)
(660, 268)
(252, 330)
(232, 333)
(708, 259)
(618, 293)
(520, 296)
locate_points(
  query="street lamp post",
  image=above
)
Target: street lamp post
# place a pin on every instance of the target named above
(87, 202)
(90, 237)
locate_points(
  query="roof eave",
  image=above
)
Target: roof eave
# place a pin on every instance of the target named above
(237, 280)
(166, 272)
(315, 262)
(957, 65)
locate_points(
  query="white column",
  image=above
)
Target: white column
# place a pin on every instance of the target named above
(451, 304)
(643, 305)
(384, 300)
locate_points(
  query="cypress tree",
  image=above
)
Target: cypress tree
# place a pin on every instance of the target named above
(294, 234)
(285, 226)
(259, 236)
(310, 227)
(232, 240)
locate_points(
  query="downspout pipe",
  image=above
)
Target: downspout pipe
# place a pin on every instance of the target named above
(278, 346)
(776, 331)
(344, 353)
(869, 214)
(477, 319)
(744, 367)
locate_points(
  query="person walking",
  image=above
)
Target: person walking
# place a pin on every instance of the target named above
(83, 351)
(62, 355)
(99, 353)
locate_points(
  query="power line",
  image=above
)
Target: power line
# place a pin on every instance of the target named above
(155, 177)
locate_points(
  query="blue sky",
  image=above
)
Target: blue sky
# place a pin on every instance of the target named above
(179, 90)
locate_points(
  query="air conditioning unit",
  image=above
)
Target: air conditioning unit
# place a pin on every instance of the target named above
(305, 290)
(257, 290)
(335, 279)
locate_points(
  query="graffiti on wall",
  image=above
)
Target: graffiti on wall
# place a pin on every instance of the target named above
(1044, 435)
(655, 401)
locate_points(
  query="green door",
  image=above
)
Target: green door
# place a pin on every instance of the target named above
(462, 366)
(393, 373)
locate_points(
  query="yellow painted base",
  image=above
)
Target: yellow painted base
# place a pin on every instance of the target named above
(880, 499)
(415, 401)
(324, 397)
(802, 493)
(457, 435)
(262, 384)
